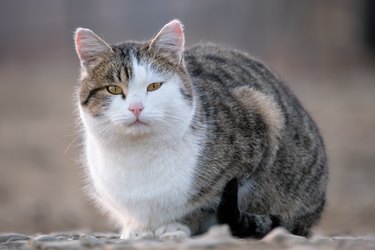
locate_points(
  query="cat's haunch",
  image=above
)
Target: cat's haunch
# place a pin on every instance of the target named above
(177, 139)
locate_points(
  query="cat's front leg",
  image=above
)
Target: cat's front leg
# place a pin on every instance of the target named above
(172, 231)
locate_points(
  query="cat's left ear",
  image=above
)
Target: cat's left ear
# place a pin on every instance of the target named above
(171, 38)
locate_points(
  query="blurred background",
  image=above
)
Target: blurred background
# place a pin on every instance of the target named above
(324, 49)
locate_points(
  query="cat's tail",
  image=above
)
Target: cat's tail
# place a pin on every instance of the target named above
(242, 224)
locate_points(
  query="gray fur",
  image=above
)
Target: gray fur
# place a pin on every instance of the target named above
(281, 167)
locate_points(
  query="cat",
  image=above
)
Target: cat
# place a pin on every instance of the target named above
(177, 140)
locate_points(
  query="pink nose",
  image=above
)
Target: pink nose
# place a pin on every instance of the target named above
(136, 108)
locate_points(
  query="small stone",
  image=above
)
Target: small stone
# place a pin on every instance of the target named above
(277, 235)
(45, 237)
(18, 238)
(75, 237)
(20, 244)
(280, 235)
(6, 237)
(66, 236)
(107, 236)
(90, 241)
(60, 237)
(59, 245)
(179, 235)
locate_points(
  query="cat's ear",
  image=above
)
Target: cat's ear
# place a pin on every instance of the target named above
(90, 47)
(171, 38)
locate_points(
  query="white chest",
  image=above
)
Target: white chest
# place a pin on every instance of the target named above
(143, 186)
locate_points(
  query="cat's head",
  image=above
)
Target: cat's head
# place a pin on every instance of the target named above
(134, 89)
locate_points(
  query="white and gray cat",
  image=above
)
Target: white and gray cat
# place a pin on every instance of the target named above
(177, 140)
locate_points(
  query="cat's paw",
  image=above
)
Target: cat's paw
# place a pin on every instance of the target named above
(172, 231)
(136, 235)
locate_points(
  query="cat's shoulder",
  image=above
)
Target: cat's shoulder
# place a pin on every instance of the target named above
(210, 53)
(211, 49)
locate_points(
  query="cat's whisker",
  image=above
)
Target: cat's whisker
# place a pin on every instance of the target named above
(70, 144)
(113, 136)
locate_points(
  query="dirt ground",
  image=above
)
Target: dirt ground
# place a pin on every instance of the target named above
(40, 175)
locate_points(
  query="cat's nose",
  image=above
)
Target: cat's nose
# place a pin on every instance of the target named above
(136, 108)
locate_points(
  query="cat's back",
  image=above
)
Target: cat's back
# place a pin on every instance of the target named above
(216, 67)
(219, 76)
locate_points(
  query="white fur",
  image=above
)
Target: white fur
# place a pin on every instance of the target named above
(143, 173)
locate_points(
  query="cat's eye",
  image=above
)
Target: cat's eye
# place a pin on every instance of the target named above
(115, 90)
(154, 86)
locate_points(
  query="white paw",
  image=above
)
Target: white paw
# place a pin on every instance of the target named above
(172, 231)
(137, 235)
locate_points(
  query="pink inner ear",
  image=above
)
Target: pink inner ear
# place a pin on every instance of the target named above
(180, 33)
(174, 29)
(79, 44)
(78, 39)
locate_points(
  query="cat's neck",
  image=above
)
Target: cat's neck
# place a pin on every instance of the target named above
(144, 154)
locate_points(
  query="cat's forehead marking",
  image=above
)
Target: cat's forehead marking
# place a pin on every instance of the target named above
(115, 75)
(124, 77)
(123, 54)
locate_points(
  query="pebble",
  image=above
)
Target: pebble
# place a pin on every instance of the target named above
(174, 236)
(12, 237)
(59, 245)
(281, 236)
(45, 237)
(75, 236)
(62, 238)
(20, 244)
(107, 236)
(90, 241)
(67, 236)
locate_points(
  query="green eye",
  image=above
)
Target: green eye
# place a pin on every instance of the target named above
(154, 86)
(115, 90)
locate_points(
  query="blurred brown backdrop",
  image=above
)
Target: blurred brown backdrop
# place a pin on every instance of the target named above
(323, 49)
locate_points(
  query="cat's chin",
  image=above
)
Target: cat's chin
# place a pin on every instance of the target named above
(136, 129)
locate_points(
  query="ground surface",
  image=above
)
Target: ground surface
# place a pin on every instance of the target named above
(216, 238)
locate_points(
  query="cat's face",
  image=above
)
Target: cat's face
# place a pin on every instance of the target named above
(133, 89)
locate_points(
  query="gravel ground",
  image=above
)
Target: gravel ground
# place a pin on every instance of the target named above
(216, 238)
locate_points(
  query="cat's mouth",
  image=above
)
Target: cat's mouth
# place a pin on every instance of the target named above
(132, 126)
(137, 123)
(137, 128)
